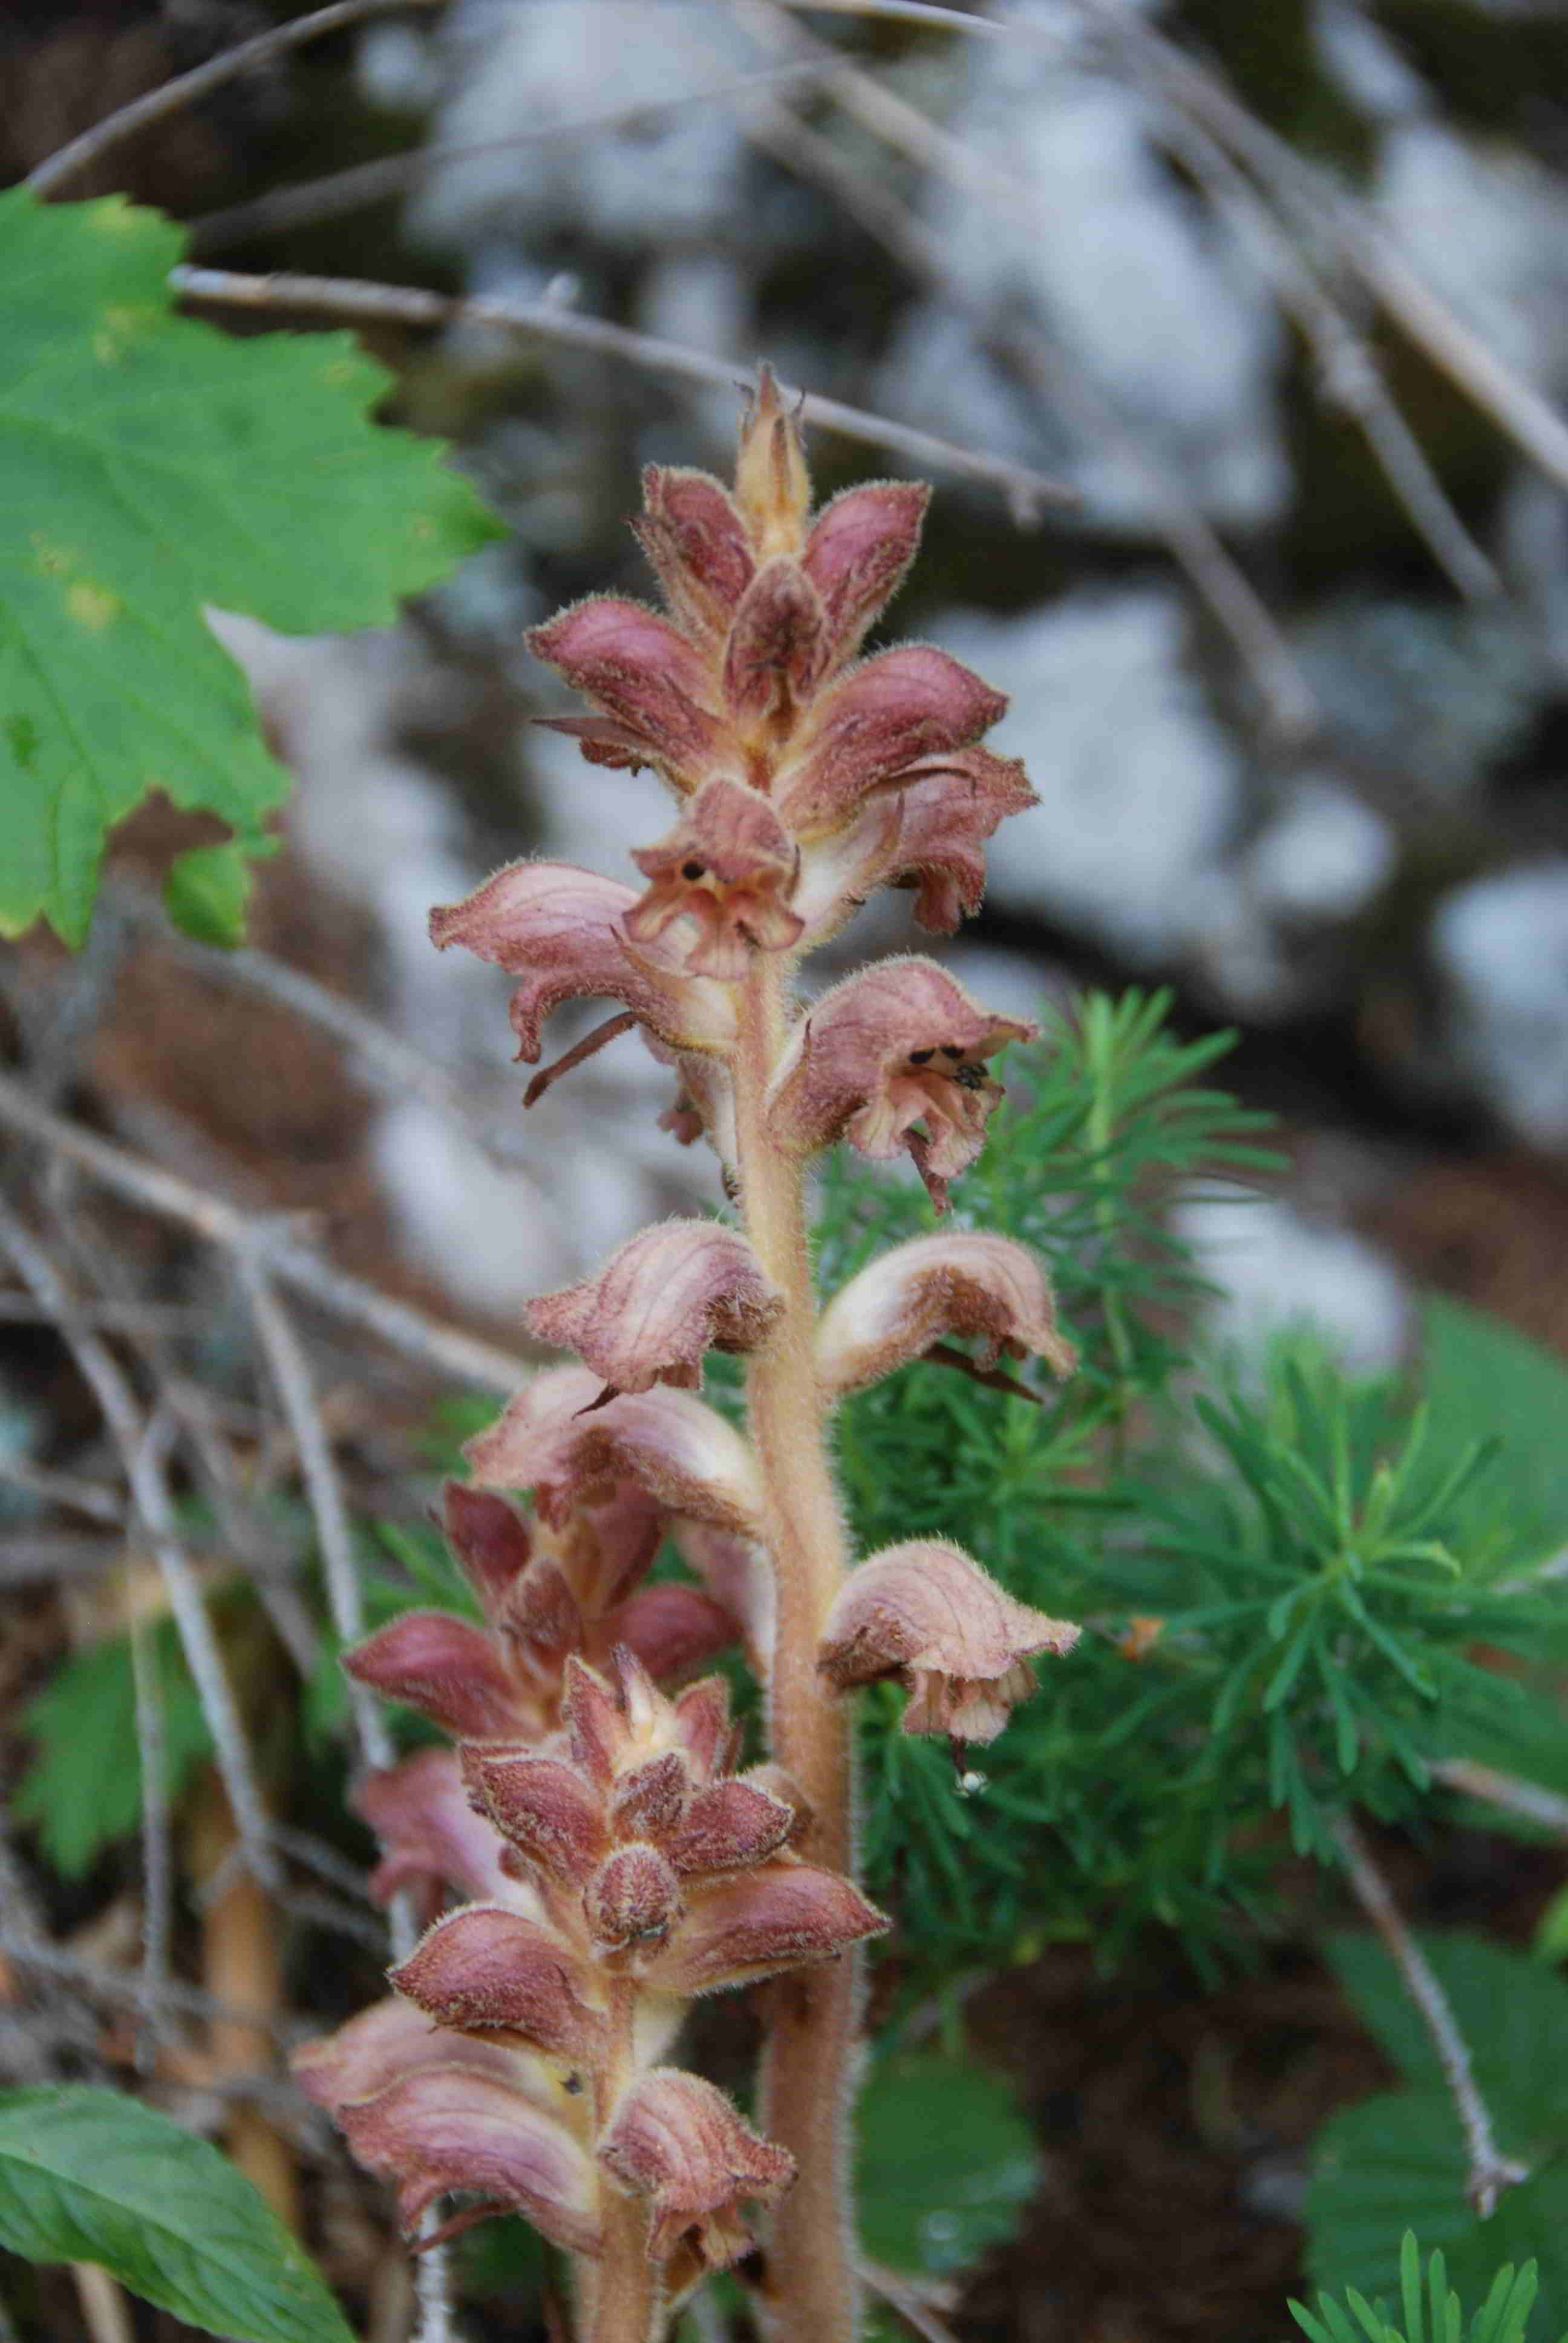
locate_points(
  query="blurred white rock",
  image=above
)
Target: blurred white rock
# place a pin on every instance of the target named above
(1148, 298)
(1483, 224)
(1139, 784)
(1276, 1270)
(513, 69)
(1500, 945)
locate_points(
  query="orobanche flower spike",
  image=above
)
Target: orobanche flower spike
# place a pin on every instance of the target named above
(595, 1852)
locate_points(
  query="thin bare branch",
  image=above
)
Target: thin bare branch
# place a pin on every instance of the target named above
(1314, 199)
(1526, 1799)
(1047, 367)
(290, 1368)
(338, 192)
(448, 1349)
(1491, 2172)
(187, 89)
(90, 1497)
(919, 2302)
(123, 1415)
(158, 1851)
(128, 1986)
(1028, 492)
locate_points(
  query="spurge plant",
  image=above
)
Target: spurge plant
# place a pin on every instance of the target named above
(617, 1862)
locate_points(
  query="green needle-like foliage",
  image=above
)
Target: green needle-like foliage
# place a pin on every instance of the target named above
(1429, 2313)
(1282, 1582)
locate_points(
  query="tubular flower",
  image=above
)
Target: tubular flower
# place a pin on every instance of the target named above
(958, 1641)
(966, 1283)
(558, 1440)
(722, 882)
(661, 1303)
(894, 1059)
(548, 1589)
(679, 2143)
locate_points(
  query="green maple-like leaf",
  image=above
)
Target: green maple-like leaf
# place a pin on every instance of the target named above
(150, 465)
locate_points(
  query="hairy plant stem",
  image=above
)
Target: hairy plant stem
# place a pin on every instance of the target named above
(814, 2018)
(623, 2287)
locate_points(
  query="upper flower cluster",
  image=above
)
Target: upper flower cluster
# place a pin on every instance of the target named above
(805, 777)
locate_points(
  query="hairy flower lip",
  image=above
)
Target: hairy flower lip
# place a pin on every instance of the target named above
(485, 1969)
(448, 2127)
(719, 885)
(928, 832)
(660, 1302)
(676, 2141)
(563, 932)
(753, 1922)
(894, 711)
(669, 1441)
(696, 540)
(892, 1060)
(859, 554)
(640, 670)
(927, 1614)
(961, 1283)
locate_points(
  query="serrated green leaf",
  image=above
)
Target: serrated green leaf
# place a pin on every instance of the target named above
(208, 894)
(1511, 2010)
(150, 465)
(82, 1792)
(92, 2176)
(946, 2163)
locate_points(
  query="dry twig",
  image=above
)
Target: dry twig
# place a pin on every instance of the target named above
(1491, 2172)
(187, 88)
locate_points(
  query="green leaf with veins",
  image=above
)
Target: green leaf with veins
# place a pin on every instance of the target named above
(92, 2176)
(150, 466)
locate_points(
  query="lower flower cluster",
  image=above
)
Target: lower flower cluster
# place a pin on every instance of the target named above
(616, 1865)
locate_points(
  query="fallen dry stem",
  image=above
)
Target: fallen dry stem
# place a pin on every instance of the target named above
(1491, 2172)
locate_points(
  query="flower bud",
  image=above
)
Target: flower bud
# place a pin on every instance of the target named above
(484, 1968)
(442, 1665)
(659, 1304)
(961, 1284)
(772, 486)
(723, 878)
(678, 2141)
(634, 1898)
(776, 647)
(959, 1643)
(643, 673)
(894, 1057)
(695, 539)
(857, 554)
(543, 1808)
(731, 1826)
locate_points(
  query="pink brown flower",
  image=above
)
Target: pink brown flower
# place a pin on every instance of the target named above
(485, 1969)
(563, 932)
(659, 1304)
(451, 2126)
(880, 720)
(678, 2141)
(967, 1284)
(645, 675)
(893, 1060)
(558, 1441)
(697, 542)
(926, 1613)
(857, 554)
(720, 884)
